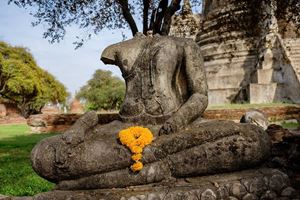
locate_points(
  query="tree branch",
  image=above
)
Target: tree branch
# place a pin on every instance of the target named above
(159, 16)
(174, 6)
(127, 15)
(146, 4)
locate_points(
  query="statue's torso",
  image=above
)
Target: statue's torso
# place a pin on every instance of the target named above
(155, 81)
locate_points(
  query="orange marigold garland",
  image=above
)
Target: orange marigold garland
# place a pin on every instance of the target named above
(136, 138)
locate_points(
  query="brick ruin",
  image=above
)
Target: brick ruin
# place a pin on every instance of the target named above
(8, 109)
(10, 114)
(261, 67)
(76, 106)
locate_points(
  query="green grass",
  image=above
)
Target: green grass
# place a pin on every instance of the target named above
(290, 125)
(17, 178)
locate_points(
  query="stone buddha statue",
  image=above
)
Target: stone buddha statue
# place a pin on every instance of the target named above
(165, 80)
(166, 91)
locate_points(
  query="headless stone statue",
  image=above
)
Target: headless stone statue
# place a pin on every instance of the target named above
(166, 91)
(165, 80)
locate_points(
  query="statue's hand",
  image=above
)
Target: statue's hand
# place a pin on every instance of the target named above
(75, 135)
(73, 138)
(168, 128)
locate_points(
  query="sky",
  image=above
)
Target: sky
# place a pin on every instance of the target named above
(71, 67)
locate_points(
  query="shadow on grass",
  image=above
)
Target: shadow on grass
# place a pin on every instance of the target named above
(17, 177)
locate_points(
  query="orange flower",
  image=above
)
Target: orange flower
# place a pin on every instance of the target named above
(136, 157)
(136, 138)
(137, 166)
(136, 149)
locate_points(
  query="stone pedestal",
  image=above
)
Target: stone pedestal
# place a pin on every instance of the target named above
(253, 184)
(266, 93)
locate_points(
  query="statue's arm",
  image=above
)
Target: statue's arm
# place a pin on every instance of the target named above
(197, 86)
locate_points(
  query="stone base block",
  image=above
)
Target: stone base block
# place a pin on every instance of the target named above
(266, 93)
(254, 184)
(221, 96)
(265, 76)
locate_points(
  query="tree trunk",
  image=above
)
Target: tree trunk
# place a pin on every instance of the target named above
(174, 6)
(24, 110)
(159, 16)
(127, 15)
(145, 16)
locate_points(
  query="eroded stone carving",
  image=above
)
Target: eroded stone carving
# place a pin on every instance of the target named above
(167, 92)
(164, 78)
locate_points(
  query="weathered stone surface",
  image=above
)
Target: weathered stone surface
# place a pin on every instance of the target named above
(188, 189)
(285, 153)
(250, 197)
(170, 89)
(91, 153)
(269, 195)
(240, 70)
(186, 24)
(288, 192)
(166, 93)
(238, 190)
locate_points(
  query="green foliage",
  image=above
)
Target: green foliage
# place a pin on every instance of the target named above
(24, 83)
(17, 178)
(103, 91)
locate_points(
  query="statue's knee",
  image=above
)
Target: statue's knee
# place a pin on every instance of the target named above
(43, 158)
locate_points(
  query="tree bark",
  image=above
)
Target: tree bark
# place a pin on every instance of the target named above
(174, 6)
(159, 16)
(127, 15)
(145, 16)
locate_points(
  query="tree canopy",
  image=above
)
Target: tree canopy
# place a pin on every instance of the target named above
(103, 91)
(24, 83)
(95, 15)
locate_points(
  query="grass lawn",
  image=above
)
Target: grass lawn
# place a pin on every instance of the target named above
(17, 178)
(290, 125)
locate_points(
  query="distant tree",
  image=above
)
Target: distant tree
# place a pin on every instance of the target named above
(103, 91)
(24, 83)
(95, 15)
